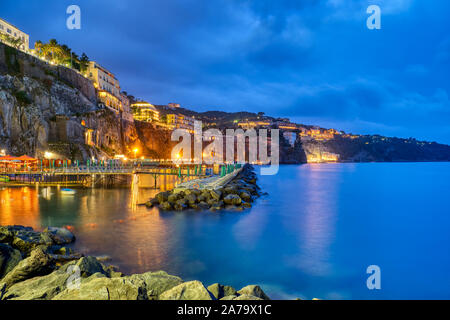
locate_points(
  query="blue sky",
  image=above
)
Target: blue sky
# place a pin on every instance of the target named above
(313, 61)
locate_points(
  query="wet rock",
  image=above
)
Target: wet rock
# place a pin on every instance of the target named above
(173, 198)
(166, 206)
(9, 258)
(6, 235)
(232, 199)
(192, 290)
(60, 235)
(191, 198)
(180, 205)
(254, 290)
(203, 205)
(246, 205)
(162, 196)
(37, 264)
(245, 196)
(27, 240)
(152, 202)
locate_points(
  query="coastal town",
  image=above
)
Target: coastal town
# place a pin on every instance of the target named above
(111, 96)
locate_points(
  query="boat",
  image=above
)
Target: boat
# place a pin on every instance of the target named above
(68, 191)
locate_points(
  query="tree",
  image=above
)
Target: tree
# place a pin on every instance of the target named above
(14, 42)
(84, 62)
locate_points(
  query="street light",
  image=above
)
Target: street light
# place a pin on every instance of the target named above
(136, 150)
(48, 155)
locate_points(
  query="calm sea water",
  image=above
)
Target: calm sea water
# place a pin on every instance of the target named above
(314, 235)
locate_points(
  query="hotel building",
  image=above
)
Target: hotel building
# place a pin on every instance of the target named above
(180, 121)
(16, 33)
(108, 90)
(144, 111)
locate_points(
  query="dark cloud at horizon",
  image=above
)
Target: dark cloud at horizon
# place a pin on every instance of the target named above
(312, 61)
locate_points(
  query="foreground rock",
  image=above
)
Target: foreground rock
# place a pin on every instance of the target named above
(37, 264)
(34, 274)
(238, 194)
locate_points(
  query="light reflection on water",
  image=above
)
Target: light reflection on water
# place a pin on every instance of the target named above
(313, 236)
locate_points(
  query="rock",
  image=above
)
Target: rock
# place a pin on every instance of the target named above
(253, 290)
(6, 235)
(88, 266)
(245, 196)
(165, 206)
(39, 288)
(219, 291)
(152, 202)
(103, 288)
(246, 205)
(162, 196)
(60, 235)
(192, 290)
(180, 205)
(172, 198)
(37, 264)
(27, 240)
(193, 206)
(230, 190)
(232, 199)
(157, 282)
(191, 198)
(216, 194)
(9, 258)
(247, 297)
(203, 205)
(201, 198)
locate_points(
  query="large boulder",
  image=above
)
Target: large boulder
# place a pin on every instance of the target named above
(192, 290)
(37, 264)
(48, 286)
(6, 235)
(60, 235)
(9, 258)
(157, 282)
(103, 288)
(255, 291)
(27, 240)
(191, 198)
(220, 291)
(232, 199)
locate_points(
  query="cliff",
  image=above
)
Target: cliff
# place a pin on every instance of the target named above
(48, 108)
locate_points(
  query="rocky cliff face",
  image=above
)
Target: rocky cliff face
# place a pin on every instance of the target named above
(46, 108)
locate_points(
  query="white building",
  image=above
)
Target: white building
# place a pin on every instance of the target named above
(16, 33)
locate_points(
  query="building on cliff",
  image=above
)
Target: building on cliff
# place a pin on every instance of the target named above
(180, 121)
(11, 31)
(144, 111)
(108, 90)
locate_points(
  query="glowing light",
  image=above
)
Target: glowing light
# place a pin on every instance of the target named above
(48, 155)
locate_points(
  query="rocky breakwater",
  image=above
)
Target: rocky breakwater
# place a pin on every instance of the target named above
(236, 194)
(39, 266)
